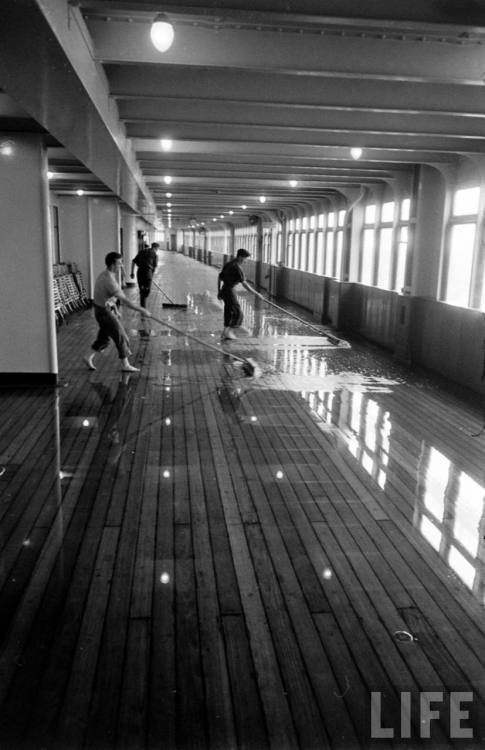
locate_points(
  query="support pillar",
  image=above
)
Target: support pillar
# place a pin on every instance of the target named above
(130, 243)
(28, 353)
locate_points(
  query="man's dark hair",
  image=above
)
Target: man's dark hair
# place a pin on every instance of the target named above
(155, 244)
(111, 258)
(242, 253)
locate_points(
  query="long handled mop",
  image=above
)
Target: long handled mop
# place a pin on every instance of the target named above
(170, 302)
(249, 366)
(329, 336)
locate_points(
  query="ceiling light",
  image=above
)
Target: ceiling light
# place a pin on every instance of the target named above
(168, 205)
(166, 144)
(6, 148)
(79, 192)
(231, 213)
(50, 175)
(222, 216)
(168, 195)
(293, 183)
(167, 179)
(262, 199)
(162, 33)
(356, 152)
(244, 207)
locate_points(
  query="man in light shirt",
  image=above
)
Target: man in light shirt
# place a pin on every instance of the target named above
(106, 292)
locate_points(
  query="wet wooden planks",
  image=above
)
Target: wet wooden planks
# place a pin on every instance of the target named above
(179, 592)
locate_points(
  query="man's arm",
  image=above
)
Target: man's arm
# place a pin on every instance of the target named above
(125, 301)
(248, 286)
(132, 274)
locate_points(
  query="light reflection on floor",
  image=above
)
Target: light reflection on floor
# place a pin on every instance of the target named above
(342, 386)
(448, 505)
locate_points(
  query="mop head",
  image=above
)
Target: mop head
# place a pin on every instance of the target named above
(251, 368)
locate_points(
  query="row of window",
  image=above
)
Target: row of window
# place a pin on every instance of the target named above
(320, 244)
(315, 244)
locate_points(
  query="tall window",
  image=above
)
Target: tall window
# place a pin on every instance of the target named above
(267, 237)
(290, 243)
(296, 244)
(458, 288)
(319, 260)
(303, 244)
(384, 253)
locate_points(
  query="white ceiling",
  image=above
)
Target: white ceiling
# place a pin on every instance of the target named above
(255, 94)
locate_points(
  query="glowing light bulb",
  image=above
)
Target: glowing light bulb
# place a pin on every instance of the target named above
(356, 152)
(166, 144)
(6, 148)
(162, 33)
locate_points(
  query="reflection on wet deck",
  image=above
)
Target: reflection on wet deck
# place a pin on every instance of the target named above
(194, 557)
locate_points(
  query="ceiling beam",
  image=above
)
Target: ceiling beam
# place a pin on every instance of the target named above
(117, 41)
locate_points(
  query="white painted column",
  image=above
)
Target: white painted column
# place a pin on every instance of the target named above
(130, 243)
(105, 229)
(74, 234)
(28, 351)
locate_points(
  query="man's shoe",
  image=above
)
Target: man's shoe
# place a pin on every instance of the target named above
(129, 368)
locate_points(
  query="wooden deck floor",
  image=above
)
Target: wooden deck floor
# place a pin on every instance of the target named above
(191, 558)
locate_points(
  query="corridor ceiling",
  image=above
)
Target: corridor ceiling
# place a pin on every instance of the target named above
(256, 94)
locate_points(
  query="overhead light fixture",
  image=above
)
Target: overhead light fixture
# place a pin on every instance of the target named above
(262, 199)
(50, 175)
(244, 207)
(166, 144)
(168, 195)
(167, 179)
(79, 192)
(356, 152)
(231, 213)
(6, 148)
(169, 205)
(162, 33)
(293, 183)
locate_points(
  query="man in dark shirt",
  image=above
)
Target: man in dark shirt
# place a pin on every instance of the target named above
(231, 275)
(146, 260)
